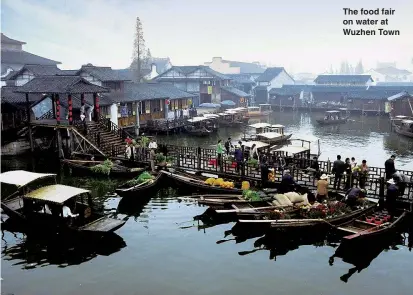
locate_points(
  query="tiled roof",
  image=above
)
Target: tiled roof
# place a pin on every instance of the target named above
(5, 39)
(392, 71)
(160, 62)
(241, 78)
(186, 70)
(148, 91)
(395, 84)
(321, 79)
(289, 89)
(235, 91)
(332, 88)
(68, 73)
(23, 57)
(269, 74)
(36, 70)
(8, 95)
(104, 74)
(60, 84)
(399, 96)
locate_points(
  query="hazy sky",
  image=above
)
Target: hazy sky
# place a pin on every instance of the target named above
(301, 35)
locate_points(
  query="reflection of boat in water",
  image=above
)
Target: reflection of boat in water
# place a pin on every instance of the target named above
(280, 243)
(38, 251)
(333, 118)
(403, 125)
(362, 255)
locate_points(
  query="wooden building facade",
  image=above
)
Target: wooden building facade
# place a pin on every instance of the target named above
(401, 104)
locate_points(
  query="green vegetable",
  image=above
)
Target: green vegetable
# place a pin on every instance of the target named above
(160, 158)
(145, 176)
(103, 168)
(251, 195)
(252, 162)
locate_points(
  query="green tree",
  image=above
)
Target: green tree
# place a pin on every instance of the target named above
(138, 55)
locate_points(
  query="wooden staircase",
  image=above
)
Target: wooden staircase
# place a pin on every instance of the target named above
(107, 136)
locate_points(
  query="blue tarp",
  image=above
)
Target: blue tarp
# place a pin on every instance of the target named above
(228, 103)
(209, 105)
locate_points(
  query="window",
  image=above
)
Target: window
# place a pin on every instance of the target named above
(147, 107)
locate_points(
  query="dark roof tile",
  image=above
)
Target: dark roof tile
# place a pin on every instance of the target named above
(186, 70)
(60, 84)
(104, 74)
(5, 39)
(269, 74)
(235, 91)
(321, 79)
(36, 70)
(23, 57)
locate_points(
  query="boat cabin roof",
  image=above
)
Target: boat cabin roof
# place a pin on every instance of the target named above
(231, 112)
(56, 193)
(211, 115)
(277, 126)
(260, 125)
(332, 112)
(264, 104)
(240, 109)
(270, 135)
(401, 117)
(407, 121)
(21, 177)
(292, 149)
(197, 119)
(259, 144)
(253, 108)
(343, 109)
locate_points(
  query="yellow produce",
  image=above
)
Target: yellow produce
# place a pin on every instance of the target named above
(245, 185)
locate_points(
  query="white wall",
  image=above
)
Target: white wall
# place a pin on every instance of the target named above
(222, 67)
(282, 79)
(113, 110)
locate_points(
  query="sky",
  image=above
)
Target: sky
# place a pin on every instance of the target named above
(300, 35)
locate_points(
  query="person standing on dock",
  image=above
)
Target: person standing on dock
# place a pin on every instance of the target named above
(401, 180)
(353, 163)
(389, 167)
(239, 158)
(392, 195)
(349, 174)
(220, 151)
(338, 170)
(228, 145)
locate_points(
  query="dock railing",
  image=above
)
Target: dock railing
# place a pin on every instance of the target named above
(205, 160)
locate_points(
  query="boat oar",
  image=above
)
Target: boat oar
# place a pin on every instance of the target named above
(243, 253)
(223, 241)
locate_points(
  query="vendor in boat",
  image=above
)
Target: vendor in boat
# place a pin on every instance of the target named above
(353, 195)
(392, 195)
(287, 183)
(322, 188)
(401, 181)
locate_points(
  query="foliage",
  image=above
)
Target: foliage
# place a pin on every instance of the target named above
(251, 195)
(144, 141)
(329, 210)
(145, 176)
(253, 163)
(160, 158)
(277, 214)
(103, 168)
(170, 159)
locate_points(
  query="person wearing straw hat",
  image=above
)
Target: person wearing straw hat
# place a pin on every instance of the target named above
(392, 195)
(322, 188)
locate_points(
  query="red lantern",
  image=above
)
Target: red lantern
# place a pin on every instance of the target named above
(167, 102)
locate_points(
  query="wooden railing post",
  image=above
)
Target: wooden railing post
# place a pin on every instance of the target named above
(199, 158)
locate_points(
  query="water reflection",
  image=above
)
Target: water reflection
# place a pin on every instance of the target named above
(34, 251)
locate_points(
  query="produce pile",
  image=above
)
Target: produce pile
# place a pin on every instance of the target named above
(325, 210)
(252, 163)
(271, 176)
(219, 182)
(251, 195)
(145, 176)
(103, 168)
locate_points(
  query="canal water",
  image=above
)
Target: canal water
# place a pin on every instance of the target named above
(162, 250)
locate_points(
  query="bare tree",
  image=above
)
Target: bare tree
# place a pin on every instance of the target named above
(138, 56)
(359, 68)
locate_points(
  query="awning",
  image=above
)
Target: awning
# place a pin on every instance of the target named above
(57, 193)
(21, 177)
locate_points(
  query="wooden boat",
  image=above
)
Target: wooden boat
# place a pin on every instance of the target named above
(271, 134)
(228, 201)
(363, 231)
(403, 125)
(141, 190)
(260, 111)
(307, 223)
(194, 183)
(198, 126)
(43, 209)
(333, 118)
(83, 168)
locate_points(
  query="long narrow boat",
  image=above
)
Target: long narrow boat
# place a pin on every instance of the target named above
(228, 201)
(84, 168)
(43, 209)
(194, 183)
(305, 222)
(363, 231)
(403, 125)
(141, 190)
(333, 118)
